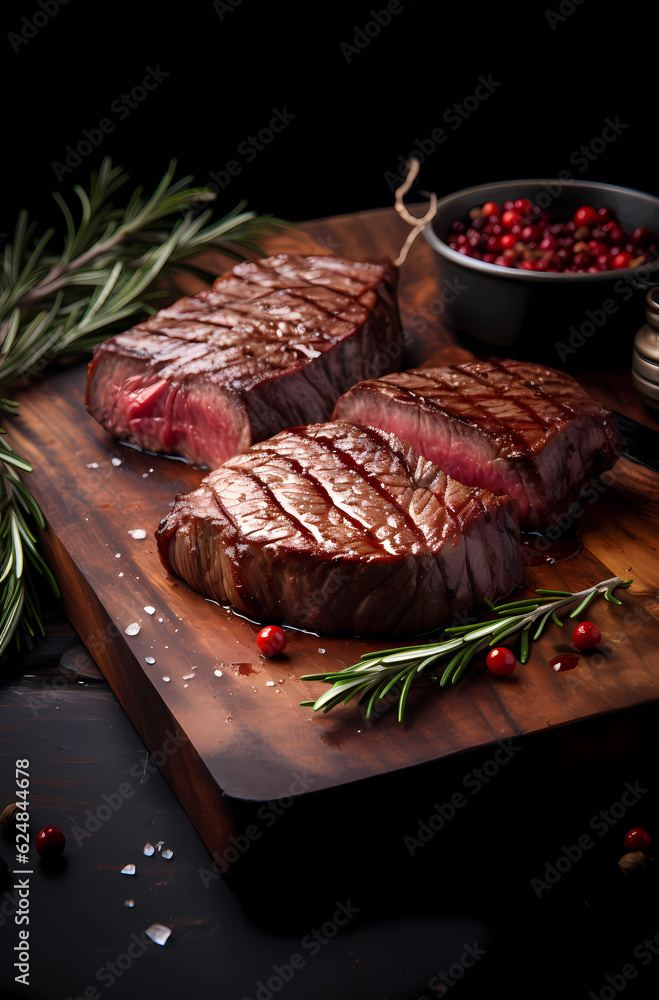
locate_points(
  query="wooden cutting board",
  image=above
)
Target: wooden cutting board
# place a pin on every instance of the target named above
(223, 722)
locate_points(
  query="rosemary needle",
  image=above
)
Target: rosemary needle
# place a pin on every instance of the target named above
(378, 673)
(57, 303)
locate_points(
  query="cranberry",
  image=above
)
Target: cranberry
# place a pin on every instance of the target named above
(530, 234)
(586, 636)
(641, 236)
(271, 640)
(621, 260)
(586, 216)
(638, 839)
(509, 218)
(490, 208)
(592, 241)
(500, 661)
(49, 843)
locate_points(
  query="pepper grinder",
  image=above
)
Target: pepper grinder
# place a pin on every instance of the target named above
(645, 359)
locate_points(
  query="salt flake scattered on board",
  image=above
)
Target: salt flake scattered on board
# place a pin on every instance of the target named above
(158, 933)
(137, 532)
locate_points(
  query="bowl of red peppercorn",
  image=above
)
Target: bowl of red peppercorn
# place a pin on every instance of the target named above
(554, 271)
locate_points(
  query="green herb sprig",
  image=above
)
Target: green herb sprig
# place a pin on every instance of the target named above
(396, 669)
(57, 303)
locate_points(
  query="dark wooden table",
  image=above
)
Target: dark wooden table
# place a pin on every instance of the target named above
(467, 867)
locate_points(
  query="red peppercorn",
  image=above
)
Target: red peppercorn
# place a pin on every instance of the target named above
(638, 839)
(500, 661)
(49, 842)
(586, 636)
(271, 640)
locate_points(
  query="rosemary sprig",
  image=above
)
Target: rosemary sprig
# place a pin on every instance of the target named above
(57, 303)
(379, 673)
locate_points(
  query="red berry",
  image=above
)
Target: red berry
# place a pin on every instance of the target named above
(49, 842)
(490, 208)
(529, 233)
(586, 216)
(621, 260)
(523, 206)
(641, 236)
(271, 640)
(508, 240)
(500, 661)
(586, 636)
(510, 218)
(638, 839)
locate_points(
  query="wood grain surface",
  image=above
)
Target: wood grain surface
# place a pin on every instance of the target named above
(241, 730)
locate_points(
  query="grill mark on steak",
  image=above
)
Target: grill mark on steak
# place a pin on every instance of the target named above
(349, 462)
(309, 477)
(536, 389)
(507, 431)
(269, 345)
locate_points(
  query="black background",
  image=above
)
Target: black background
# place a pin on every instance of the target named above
(559, 71)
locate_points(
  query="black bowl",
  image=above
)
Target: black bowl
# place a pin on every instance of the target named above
(568, 321)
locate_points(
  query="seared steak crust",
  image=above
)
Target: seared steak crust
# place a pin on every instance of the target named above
(272, 344)
(342, 529)
(512, 427)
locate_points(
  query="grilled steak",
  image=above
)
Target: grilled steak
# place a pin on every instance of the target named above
(513, 428)
(270, 345)
(342, 529)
